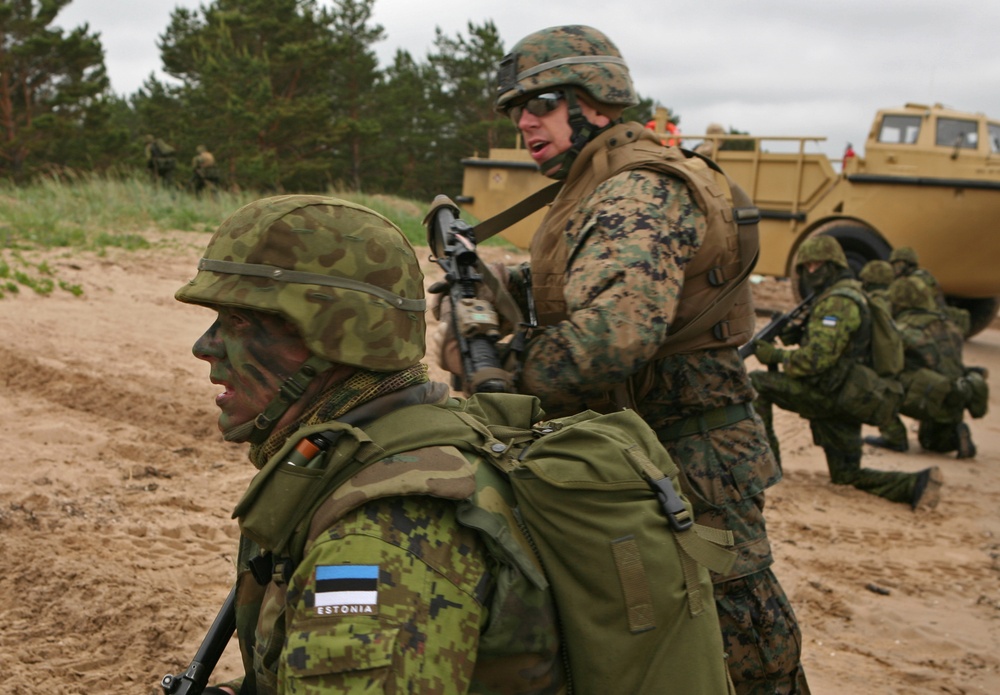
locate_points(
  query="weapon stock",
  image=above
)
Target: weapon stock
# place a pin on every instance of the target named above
(474, 321)
(774, 327)
(195, 679)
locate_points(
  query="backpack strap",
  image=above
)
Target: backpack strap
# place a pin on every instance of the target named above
(702, 547)
(516, 212)
(860, 349)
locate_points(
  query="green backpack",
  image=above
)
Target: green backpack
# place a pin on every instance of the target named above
(596, 501)
(871, 392)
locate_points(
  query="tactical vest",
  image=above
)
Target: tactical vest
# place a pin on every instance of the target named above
(859, 349)
(626, 147)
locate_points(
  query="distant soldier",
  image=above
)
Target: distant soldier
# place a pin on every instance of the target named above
(836, 334)
(204, 172)
(708, 147)
(161, 160)
(937, 391)
(904, 263)
(875, 278)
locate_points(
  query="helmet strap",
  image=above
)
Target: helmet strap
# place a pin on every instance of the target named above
(258, 429)
(582, 132)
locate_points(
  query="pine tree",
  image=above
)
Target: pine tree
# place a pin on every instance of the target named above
(54, 98)
(255, 88)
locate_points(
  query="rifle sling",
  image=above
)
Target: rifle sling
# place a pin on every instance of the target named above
(516, 212)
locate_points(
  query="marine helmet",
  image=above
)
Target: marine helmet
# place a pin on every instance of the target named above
(572, 55)
(200, 149)
(342, 274)
(821, 248)
(877, 273)
(909, 293)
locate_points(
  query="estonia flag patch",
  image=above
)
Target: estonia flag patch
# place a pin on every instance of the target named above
(829, 321)
(346, 589)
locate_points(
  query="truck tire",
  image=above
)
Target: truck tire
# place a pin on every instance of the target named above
(981, 311)
(860, 243)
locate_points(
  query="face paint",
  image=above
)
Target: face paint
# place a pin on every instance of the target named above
(251, 354)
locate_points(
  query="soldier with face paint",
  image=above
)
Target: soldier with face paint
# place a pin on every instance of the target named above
(320, 323)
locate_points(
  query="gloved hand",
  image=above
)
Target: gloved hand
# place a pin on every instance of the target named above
(791, 334)
(768, 354)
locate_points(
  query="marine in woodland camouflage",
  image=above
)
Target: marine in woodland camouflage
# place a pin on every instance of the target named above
(629, 242)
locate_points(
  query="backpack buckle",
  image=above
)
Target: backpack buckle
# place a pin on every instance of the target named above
(673, 506)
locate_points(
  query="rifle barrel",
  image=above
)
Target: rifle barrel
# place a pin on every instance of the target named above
(195, 679)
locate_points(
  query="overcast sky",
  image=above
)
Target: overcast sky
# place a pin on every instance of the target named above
(769, 67)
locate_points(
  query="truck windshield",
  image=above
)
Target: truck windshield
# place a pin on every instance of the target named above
(994, 131)
(956, 132)
(900, 129)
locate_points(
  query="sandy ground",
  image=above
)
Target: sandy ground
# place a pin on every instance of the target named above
(116, 499)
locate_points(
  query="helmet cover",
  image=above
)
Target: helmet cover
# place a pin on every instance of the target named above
(821, 248)
(562, 56)
(344, 275)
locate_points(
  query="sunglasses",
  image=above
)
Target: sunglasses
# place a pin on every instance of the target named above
(538, 105)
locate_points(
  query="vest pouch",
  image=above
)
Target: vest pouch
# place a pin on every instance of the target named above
(979, 399)
(927, 395)
(282, 494)
(867, 397)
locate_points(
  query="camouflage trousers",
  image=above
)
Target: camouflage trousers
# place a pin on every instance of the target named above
(761, 636)
(839, 437)
(725, 472)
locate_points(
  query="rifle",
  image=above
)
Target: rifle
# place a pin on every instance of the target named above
(195, 679)
(774, 327)
(475, 322)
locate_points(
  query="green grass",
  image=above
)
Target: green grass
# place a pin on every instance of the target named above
(95, 213)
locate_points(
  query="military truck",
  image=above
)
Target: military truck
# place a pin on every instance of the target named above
(929, 178)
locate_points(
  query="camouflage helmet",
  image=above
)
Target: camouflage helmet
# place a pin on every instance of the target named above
(905, 254)
(345, 276)
(821, 248)
(909, 293)
(574, 55)
(877, 272)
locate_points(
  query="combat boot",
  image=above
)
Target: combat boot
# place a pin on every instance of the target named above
(927, 489)
(884, 443)
(966, 449)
